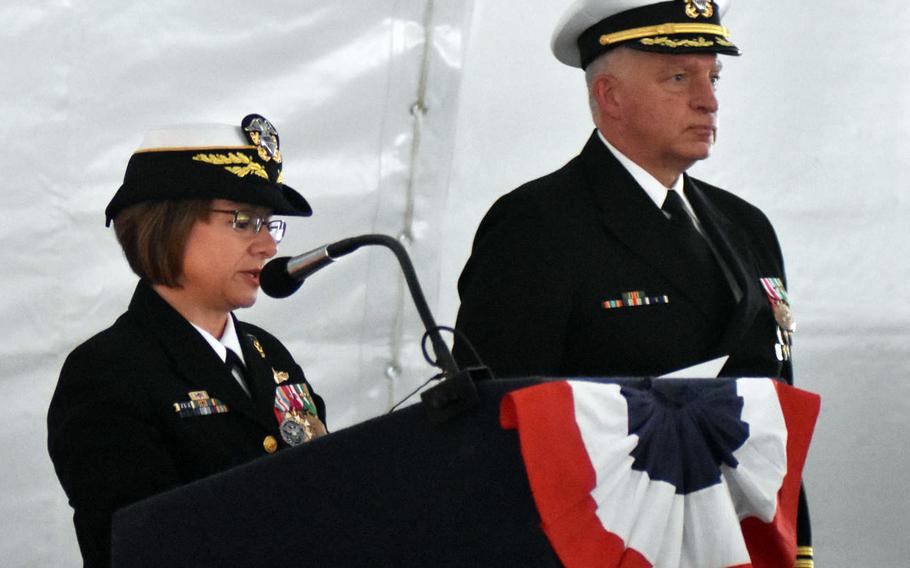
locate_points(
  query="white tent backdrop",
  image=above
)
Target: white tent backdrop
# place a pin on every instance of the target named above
(409, 118)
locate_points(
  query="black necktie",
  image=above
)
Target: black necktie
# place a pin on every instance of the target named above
(235, 366)
(714, 292)
(692, 240)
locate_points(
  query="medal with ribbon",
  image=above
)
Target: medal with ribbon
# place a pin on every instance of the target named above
(296, 414)
(783, 315)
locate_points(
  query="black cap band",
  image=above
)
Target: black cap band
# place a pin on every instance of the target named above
(248, 171)
(667, 27)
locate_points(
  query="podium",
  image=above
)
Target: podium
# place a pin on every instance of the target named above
(393, 491)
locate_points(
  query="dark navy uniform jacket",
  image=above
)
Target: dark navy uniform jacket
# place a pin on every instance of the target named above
(114, 433)
(548, 255)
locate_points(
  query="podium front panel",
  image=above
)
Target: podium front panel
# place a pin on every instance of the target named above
(392, 491)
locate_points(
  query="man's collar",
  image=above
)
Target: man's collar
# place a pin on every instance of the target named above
(655, 190)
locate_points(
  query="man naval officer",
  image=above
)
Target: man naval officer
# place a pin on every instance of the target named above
(619, 263)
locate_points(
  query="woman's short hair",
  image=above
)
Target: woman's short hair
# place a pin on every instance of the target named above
(153, 236)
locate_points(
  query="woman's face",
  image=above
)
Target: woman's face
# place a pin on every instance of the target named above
(221, 264)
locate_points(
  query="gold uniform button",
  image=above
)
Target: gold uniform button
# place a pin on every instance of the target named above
(270, 444)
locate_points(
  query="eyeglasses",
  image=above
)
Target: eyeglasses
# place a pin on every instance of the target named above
(246, 221)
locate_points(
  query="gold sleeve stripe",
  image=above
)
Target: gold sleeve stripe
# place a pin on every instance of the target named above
(805, 551)
(663, 29)
(804, 564)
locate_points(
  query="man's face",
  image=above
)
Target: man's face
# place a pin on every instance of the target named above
(667, 109)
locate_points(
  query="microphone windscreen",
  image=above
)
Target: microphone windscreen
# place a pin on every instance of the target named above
(275, 280)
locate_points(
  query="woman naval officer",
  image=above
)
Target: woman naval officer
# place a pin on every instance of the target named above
(178, 388)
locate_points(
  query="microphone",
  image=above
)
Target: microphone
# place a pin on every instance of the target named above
(283, 276)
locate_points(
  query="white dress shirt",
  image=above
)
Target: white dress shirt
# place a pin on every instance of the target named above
(229, 340)
(655, 190)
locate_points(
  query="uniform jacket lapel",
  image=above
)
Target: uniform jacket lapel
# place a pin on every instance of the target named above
(631, 216)
(260, 375)
(192, 357)
(732, 245)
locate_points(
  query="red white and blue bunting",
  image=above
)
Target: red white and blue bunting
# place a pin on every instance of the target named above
(684, 473)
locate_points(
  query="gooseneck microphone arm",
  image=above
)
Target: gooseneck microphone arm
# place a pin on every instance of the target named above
(444, 359)
(283, 276)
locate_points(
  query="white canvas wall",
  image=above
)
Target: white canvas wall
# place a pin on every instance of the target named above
(813, 130)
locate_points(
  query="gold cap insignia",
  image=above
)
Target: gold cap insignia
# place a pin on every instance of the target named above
(696, 8)
(264, 135)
